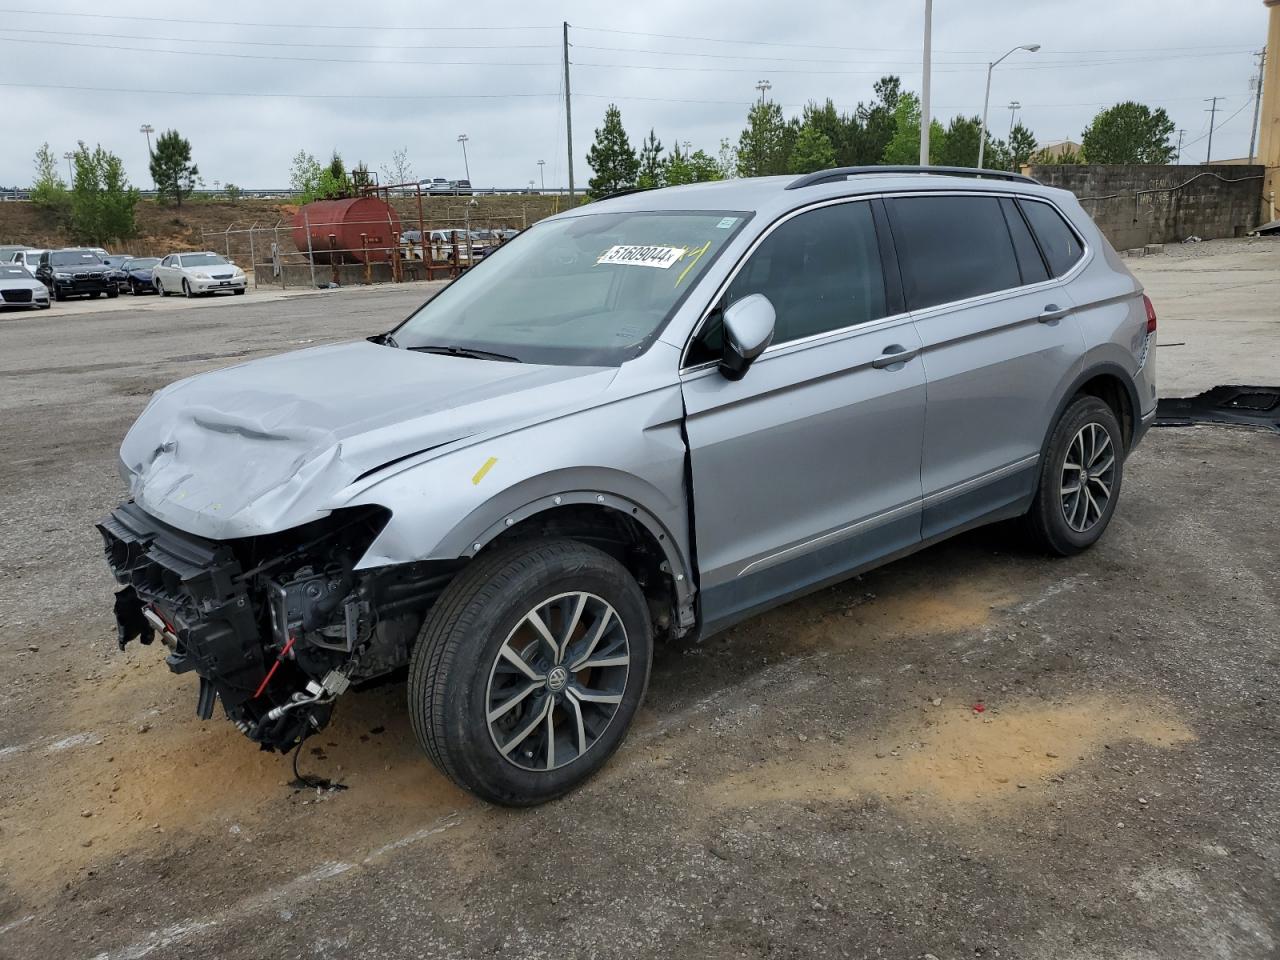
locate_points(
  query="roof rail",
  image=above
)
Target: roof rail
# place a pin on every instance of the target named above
(844, 173)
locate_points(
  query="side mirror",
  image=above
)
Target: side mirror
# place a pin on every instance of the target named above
(748, 331)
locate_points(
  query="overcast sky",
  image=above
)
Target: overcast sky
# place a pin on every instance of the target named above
(291, 75)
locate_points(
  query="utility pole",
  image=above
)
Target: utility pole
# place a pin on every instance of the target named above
(1257, 105)
(1014, 107)
(924, 86)
(568, 110)
(1213, 115)
(542, 172)
(148, 129)
(67, 156)
(1177, 157)
(466, 166)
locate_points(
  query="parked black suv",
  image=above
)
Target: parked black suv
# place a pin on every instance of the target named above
(75, 273)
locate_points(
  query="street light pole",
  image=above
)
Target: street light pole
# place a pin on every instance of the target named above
(148, 129)
(462, 139)
(986, 100)
(542, 173)
(70, 176)
(925, 113)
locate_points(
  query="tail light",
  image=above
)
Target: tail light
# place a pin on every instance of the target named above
(1151, 313)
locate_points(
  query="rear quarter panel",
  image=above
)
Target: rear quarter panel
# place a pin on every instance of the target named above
(1109, 310)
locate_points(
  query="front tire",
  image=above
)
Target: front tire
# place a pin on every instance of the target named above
(1080, 479)
(186, 290)
(160, 290)
(529, 670)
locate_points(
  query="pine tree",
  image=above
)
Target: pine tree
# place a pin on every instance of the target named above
(172, 171)
(650, 162)
(612, 158)
(763, 147)
(813, 150)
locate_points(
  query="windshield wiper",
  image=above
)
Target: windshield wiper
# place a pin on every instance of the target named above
(450, 351)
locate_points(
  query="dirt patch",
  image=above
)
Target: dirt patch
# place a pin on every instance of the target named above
(953, 759)
(144, 772)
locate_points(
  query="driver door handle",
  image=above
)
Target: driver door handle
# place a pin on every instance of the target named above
(893, 354)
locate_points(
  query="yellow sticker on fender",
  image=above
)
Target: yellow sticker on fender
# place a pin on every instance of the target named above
(660, 257)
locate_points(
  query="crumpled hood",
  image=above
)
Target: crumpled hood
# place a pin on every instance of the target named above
(263, 446)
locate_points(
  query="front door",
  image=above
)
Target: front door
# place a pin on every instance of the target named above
(809, 466)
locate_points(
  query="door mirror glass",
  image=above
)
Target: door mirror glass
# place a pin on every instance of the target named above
(748, 331)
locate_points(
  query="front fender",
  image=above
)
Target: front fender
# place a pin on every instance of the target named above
(627, 455)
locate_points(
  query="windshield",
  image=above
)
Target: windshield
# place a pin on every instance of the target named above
(202, 260)
(590, 290)
(141, 263)
(69, 258)
(7, 272)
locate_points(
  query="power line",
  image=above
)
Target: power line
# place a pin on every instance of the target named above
(277, 96)
(280, 26)
(816, 46)
(260, 56)
(345, 45)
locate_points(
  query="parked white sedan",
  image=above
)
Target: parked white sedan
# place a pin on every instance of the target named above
(192, 274)
(20, 289)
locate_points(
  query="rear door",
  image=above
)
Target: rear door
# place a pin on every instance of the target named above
(809, 466)
(999, 344)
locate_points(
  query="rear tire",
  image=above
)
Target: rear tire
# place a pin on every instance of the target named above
(559, 704)
(1080, 478)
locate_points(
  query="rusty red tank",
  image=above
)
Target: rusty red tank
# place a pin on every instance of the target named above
(345, 221)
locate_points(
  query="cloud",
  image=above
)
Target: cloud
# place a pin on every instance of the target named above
(248, 97)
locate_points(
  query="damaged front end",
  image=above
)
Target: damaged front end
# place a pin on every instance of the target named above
(276, 627)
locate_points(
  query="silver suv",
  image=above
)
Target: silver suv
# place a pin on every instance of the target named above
(644, 419)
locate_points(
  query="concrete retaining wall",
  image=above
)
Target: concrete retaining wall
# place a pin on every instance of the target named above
(1139, 204)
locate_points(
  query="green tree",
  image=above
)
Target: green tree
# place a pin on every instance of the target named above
(650, 162)
(1020, 147)
(958, 146)
(102, 201)
(904, 146)
(838, 128)
(304, 176)
(360, 176)
(172, 171)
(1129, 132)
(1065, 156)
(233, 192)
(813, 150)
(763, 146)
(612, 158)
(696, 167)
(727, 159)
(49, 192)
(874, 125)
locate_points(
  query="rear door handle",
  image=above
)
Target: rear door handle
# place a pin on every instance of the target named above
(894, 354)
(1051, 313)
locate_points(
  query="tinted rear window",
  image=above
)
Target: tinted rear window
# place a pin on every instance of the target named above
(952, 248)
(1024, 245)
(1059, 242)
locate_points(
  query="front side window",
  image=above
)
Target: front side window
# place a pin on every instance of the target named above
(821, 270)
(1059, 242)
(952, 248)
(588, 290)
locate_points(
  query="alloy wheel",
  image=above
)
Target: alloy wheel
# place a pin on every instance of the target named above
(556, 681)
(1088, 475)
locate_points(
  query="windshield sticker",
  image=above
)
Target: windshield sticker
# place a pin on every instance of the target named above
(726, 223)
(634, 256)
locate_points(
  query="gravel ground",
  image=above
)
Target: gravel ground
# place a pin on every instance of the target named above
(817, 782)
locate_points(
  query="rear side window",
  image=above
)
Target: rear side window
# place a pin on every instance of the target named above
(1030, 263)
(952, 248)
(1059, 242)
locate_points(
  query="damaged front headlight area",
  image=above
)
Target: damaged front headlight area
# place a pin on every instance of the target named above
(276, 627)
